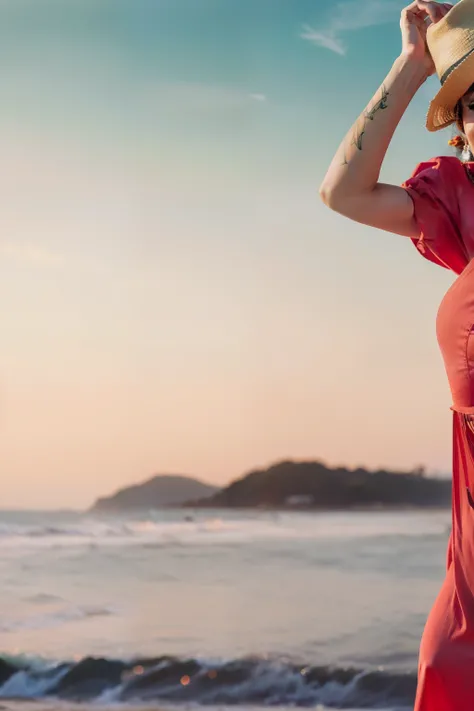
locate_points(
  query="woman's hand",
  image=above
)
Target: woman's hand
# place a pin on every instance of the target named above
(414, 22)
(351, 185)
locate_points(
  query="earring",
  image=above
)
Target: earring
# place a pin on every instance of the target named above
(466, 155)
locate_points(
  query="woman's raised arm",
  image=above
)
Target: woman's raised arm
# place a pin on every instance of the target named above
(351, 185)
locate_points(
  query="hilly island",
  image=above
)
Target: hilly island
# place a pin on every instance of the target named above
(310, 485)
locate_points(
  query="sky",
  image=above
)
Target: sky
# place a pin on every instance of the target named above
(174, 296)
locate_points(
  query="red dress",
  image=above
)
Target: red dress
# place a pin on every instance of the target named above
(443, 199)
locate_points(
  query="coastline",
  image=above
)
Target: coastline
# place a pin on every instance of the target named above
(364, 508)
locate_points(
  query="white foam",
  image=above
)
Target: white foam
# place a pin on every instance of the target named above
(162, 530)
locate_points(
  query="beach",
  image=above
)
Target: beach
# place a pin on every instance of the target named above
(234, 609)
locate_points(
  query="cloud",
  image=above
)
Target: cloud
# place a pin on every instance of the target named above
(349, 16)
(32, 254)
(258, 97)
(326, 39)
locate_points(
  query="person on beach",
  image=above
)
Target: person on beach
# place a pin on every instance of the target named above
(435, 209)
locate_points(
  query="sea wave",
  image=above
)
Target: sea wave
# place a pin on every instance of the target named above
(55, 618)
(142, 532)
(249, 680)
(191, 530)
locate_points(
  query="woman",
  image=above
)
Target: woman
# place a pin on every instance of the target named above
(435, 208)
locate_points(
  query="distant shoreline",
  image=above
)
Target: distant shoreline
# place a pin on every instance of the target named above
(184, 507)
(287, 486)
(318, 509)
(368, 508)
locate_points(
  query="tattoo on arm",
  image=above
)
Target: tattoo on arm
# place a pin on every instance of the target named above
(380, 104)
(359, 132)
(367, 116)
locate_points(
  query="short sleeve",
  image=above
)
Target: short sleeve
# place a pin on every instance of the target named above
(433, 189)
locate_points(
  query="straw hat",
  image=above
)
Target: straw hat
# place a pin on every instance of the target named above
(451, 45)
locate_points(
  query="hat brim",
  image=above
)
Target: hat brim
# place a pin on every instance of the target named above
(441, 110)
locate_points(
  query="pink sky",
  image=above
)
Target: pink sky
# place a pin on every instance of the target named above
(174, 296)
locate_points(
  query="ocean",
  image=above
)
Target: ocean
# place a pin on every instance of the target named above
(181, 608)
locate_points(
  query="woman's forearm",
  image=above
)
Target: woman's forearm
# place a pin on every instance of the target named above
(355, 169)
